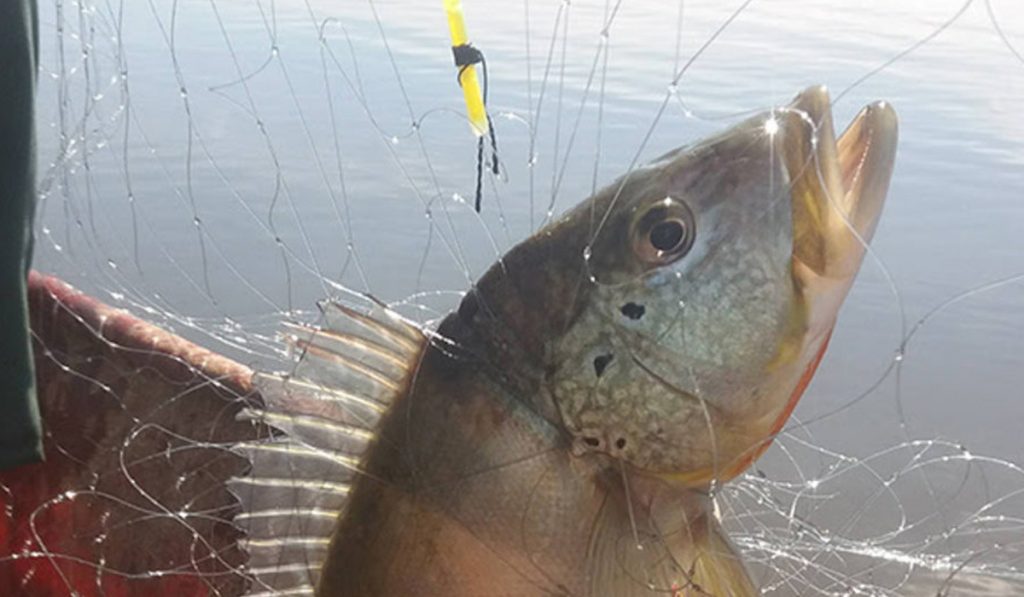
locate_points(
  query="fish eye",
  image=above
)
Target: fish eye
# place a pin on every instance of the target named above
(664, 232)
(666, 236)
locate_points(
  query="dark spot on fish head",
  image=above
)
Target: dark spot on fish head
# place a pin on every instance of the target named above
(633, 311)
(593, 442)
(620, 444)
(601, 363)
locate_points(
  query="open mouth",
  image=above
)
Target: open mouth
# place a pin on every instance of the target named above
(838, 185)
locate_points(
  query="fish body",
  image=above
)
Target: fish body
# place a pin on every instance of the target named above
(562, 432)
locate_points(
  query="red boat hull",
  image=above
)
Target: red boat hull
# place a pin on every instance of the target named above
(131, 497)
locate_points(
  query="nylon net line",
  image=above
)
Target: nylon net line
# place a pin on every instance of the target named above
(214, 169)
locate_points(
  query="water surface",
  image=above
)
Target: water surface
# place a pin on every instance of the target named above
(218, 166)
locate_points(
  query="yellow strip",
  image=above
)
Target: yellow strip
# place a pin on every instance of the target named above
(470, 84)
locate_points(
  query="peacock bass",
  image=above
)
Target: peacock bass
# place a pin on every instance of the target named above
(561, 431)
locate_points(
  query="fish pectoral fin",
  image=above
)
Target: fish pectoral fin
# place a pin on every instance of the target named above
(322, 415)
(683, 551)
(717, 569)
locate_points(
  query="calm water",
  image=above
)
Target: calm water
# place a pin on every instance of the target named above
(252, 150)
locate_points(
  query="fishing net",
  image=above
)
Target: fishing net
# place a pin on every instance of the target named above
(217, 168)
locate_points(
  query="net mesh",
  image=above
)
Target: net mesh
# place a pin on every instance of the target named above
(216, 168)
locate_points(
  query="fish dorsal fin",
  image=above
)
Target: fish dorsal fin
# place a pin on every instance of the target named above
(323, 415)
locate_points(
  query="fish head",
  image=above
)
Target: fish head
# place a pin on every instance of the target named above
(714, 276)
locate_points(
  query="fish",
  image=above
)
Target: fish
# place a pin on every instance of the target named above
(565, 429)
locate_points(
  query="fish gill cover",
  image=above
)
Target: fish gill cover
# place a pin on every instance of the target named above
(217, 168)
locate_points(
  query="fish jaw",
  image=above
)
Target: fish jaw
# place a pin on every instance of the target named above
(838, 189)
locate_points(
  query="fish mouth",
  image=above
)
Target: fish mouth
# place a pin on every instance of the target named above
(838, 186)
